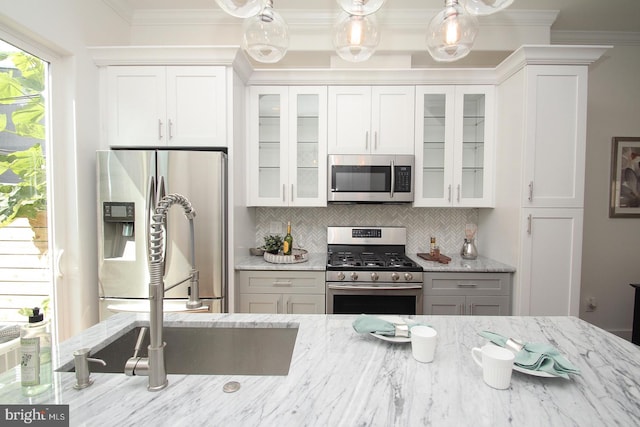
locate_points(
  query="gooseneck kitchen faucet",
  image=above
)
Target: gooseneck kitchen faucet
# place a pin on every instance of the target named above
(154, 364)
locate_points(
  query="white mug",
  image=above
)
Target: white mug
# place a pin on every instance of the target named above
(423, 343)
(496, 363)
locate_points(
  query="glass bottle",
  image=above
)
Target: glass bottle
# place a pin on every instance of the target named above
(35, 353)
(287, 245)
(432, 247)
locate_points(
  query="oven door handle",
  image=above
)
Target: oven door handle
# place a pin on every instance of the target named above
(374, 288)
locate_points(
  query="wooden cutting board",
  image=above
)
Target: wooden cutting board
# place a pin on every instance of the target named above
(442, 259)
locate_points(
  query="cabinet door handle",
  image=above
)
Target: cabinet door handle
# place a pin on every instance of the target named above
(170, 129)
(278, 306)
(287, 307)
(449, 199)
(531, 191)
(284, 192)
(292, 192)
(467, 285)
(375, 140)
(366, 140)
(458, 193)
(529, 224)
(159, 129)
(471, 309)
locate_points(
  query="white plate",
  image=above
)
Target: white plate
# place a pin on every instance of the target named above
(393, 319)
(391, 339)
(528, 371)
(534, 373)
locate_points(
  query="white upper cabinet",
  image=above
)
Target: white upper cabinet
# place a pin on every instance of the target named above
(454, 146)
(371, 119)
(173, 106)
(287, 149)
(555, 138)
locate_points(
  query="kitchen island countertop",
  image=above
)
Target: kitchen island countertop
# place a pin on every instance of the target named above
(318, 262)
(340, 378)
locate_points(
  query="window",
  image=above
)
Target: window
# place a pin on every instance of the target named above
(25, 271)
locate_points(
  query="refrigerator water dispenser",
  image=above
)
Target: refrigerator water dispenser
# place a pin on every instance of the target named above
(119, 230)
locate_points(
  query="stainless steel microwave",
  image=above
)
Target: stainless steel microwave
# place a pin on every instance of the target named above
(370, 178)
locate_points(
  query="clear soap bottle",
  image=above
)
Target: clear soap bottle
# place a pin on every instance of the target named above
(35, 352)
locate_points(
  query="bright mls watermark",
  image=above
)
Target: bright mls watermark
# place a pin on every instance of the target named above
(34, 415)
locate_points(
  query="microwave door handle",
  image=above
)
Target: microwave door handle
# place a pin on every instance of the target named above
(393, 177)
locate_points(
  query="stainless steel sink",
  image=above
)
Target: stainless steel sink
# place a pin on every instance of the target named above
(209, 351)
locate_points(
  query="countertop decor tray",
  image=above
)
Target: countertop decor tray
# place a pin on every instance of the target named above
(297, 255)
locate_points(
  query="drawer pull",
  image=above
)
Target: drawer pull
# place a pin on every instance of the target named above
(467, 285)
(282, 283)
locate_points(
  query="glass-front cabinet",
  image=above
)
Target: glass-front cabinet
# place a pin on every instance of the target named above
(287, 146)
(454, 146)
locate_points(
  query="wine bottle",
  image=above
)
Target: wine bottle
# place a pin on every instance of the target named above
(287, 245)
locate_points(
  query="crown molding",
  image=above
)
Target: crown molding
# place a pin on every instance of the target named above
(617, 38)
(165, 55)
(548, 55)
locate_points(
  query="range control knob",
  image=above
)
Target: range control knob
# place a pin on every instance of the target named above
(341, 276)
(374, 276)
(394, 276)
(408, 276)
(354, 276)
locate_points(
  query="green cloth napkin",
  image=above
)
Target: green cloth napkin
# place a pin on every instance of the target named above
(537, 357)
(365, 324)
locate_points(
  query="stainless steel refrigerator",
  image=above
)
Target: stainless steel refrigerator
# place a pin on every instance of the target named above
(129, 182)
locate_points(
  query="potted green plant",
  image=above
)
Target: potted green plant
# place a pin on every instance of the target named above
(272, 243)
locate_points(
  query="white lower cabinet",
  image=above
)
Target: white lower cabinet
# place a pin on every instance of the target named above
(282, 292)
(549, 273)
(480, 294)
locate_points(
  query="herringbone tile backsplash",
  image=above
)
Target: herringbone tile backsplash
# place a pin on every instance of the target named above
(309, 225)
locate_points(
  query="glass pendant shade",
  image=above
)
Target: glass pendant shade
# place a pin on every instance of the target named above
(451, 33)
(266, 36)
(355, 37)
(485, 7)
(360, 7)
(241, 8)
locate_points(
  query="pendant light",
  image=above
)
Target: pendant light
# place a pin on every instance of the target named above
(356, 37)
(451, 33)
(360, 7)
(241, 8)
(266, 35)
(485, 7)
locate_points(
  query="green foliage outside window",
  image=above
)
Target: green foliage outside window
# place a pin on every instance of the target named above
(22, 86)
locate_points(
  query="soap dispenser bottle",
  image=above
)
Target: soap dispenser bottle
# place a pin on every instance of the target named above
(35, 352)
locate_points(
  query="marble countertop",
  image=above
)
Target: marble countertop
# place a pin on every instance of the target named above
(317, 262)
(340, 378)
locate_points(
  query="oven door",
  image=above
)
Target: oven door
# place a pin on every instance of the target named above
(370, 179)
(362, 299)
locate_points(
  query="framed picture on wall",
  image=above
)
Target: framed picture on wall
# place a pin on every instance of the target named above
(625, 177)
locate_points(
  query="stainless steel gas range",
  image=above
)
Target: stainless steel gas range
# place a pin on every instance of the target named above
(368, 272)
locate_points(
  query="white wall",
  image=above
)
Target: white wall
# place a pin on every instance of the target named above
(60, 35)
(611, 246)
